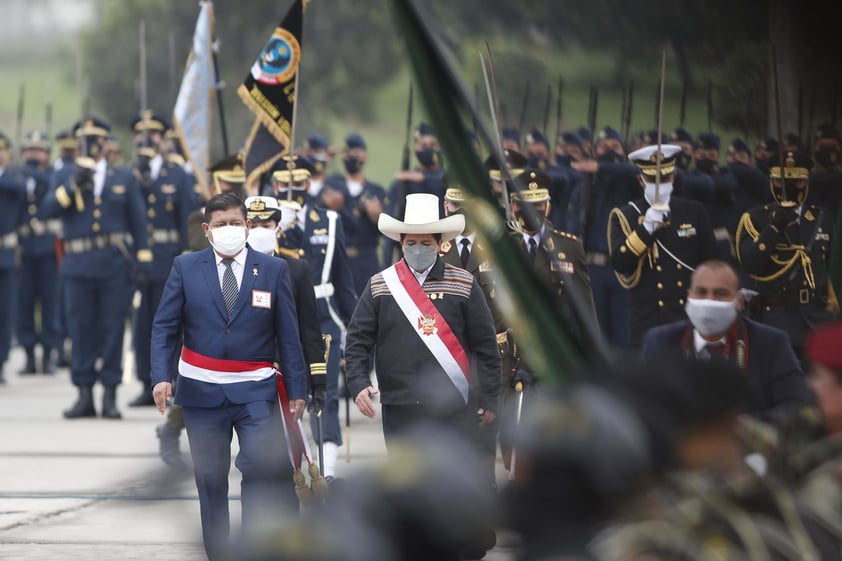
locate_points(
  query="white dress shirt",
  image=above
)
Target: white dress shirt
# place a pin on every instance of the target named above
(155, 165)
(699, 342)
(100, 168)
(470, 237)
(238, 266)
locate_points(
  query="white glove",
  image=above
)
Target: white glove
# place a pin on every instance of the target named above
(654, 219)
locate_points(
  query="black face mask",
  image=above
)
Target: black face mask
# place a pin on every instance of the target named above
(428, 157)
(762, 164)
(531, 222)
(827, 156)
(352, 165)
(706, 166)
(33, 163)
(793, 193)
(683, 160)
(611, 157)
(563, 160)
(537, 163)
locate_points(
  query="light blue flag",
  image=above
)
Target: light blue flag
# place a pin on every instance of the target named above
(192, 113)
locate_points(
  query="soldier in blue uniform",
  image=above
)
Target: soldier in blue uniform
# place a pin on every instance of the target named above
(566, 181)
(106, 251)
(359, 202)
(38, 274)
(318, 236)
(427, 177)
(66, 146)
(12, 197)
(167, 193)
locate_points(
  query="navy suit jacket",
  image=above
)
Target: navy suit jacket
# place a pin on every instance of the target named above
(775, 376)
(192, 306)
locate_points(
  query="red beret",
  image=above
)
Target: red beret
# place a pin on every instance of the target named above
(824, 346)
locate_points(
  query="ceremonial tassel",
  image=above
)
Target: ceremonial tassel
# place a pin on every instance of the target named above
(318, 485)
(305, 495)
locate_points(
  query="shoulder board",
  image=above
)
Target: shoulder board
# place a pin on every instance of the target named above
(565, 235)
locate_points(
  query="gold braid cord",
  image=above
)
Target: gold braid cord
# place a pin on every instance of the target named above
(799, 255)
(626, 281)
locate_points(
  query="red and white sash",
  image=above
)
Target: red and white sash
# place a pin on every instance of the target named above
(429, 324)
(220, 370)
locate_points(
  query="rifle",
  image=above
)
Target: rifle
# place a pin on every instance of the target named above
(49, 109)
(623, 101)
(400, 196)
(628, 117)
(683, 109)
(587, 182)
(523, 105)
(19, 122)
(558, 107)
(218, 86)
(710, 105)
(547, 109)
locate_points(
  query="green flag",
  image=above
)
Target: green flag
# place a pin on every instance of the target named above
(524, 300)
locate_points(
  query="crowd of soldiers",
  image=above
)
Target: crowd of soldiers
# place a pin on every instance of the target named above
(620, 232)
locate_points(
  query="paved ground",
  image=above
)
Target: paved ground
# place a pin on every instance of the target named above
(96, 489)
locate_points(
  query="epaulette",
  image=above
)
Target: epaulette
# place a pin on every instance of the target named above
(565, 235)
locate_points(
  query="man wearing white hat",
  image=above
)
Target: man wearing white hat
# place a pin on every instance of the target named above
(656, 242)
(430, 326)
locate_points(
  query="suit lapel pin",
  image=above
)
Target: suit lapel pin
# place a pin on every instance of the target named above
(254, 271)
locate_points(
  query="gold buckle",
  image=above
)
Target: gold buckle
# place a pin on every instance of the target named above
(804, 296)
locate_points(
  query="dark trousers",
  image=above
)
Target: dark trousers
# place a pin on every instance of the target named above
(399, 420)
(612, 305)
(7, 311)
(330, 415)
(142, 330)
(96, 319)
(37, 282)
(267, 488)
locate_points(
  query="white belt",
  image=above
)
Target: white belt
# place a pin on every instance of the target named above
(10, 241)
(324, 290)
(166, 236)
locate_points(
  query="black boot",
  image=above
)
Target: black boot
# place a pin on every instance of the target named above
(84, 406)
(29, 368)
(168, 447)
(48, 361)
(144, 399)
(109, 404)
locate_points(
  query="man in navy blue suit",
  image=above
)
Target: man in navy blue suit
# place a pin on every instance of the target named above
(716, 330)
(233, 310)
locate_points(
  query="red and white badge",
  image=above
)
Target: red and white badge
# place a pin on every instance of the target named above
(261, 299)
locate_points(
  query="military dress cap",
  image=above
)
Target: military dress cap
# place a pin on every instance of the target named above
(769, 144)
(707, 141)
(680, 135)
(738, 146)
(828, 131)
(294, 169)
(511, 133)
(65, 140)
(646, 159)
(317, 142)
(355, 140)
(584, 133)
(147, 120)
(5, 143)
(515, 162)
(537, 137)
(229, 169)
(91, 126)
(572, 138)
(797, 165)
(37, 140)
(609, 133)
(454, 192)
(424, 129)
(260, 209)
(822, 346)
(533, 186)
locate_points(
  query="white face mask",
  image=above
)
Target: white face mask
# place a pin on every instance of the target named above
(664, 193)
(228, 241)
(419, 256)
(263, 240)
(711, 317)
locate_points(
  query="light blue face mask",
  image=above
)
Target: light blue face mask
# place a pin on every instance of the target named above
(420, 257)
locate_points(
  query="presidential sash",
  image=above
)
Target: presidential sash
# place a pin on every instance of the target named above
(429, 325)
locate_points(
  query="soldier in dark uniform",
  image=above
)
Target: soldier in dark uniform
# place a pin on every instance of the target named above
(317, 150)
(12, 200)
(614, 183)
(763, 153)
(556, 257)
(38, 273)
(105, 253)
(511, 139)
(427, 177)
(168, 197)
(752, 184)
(359, 202)
(515, 164)
(684, 140)
(655, 247)
(785, 247)
(565, 181)
(826, 179)
(66, 146)
(318, 237)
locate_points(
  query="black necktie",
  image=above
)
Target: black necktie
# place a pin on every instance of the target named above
(464, 254)
(533, 250)
(229, 286)
(712, 350)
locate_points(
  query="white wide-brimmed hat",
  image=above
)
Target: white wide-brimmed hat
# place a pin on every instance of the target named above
(421, 217)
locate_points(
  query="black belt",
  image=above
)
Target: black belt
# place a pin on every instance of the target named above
(793, 298)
